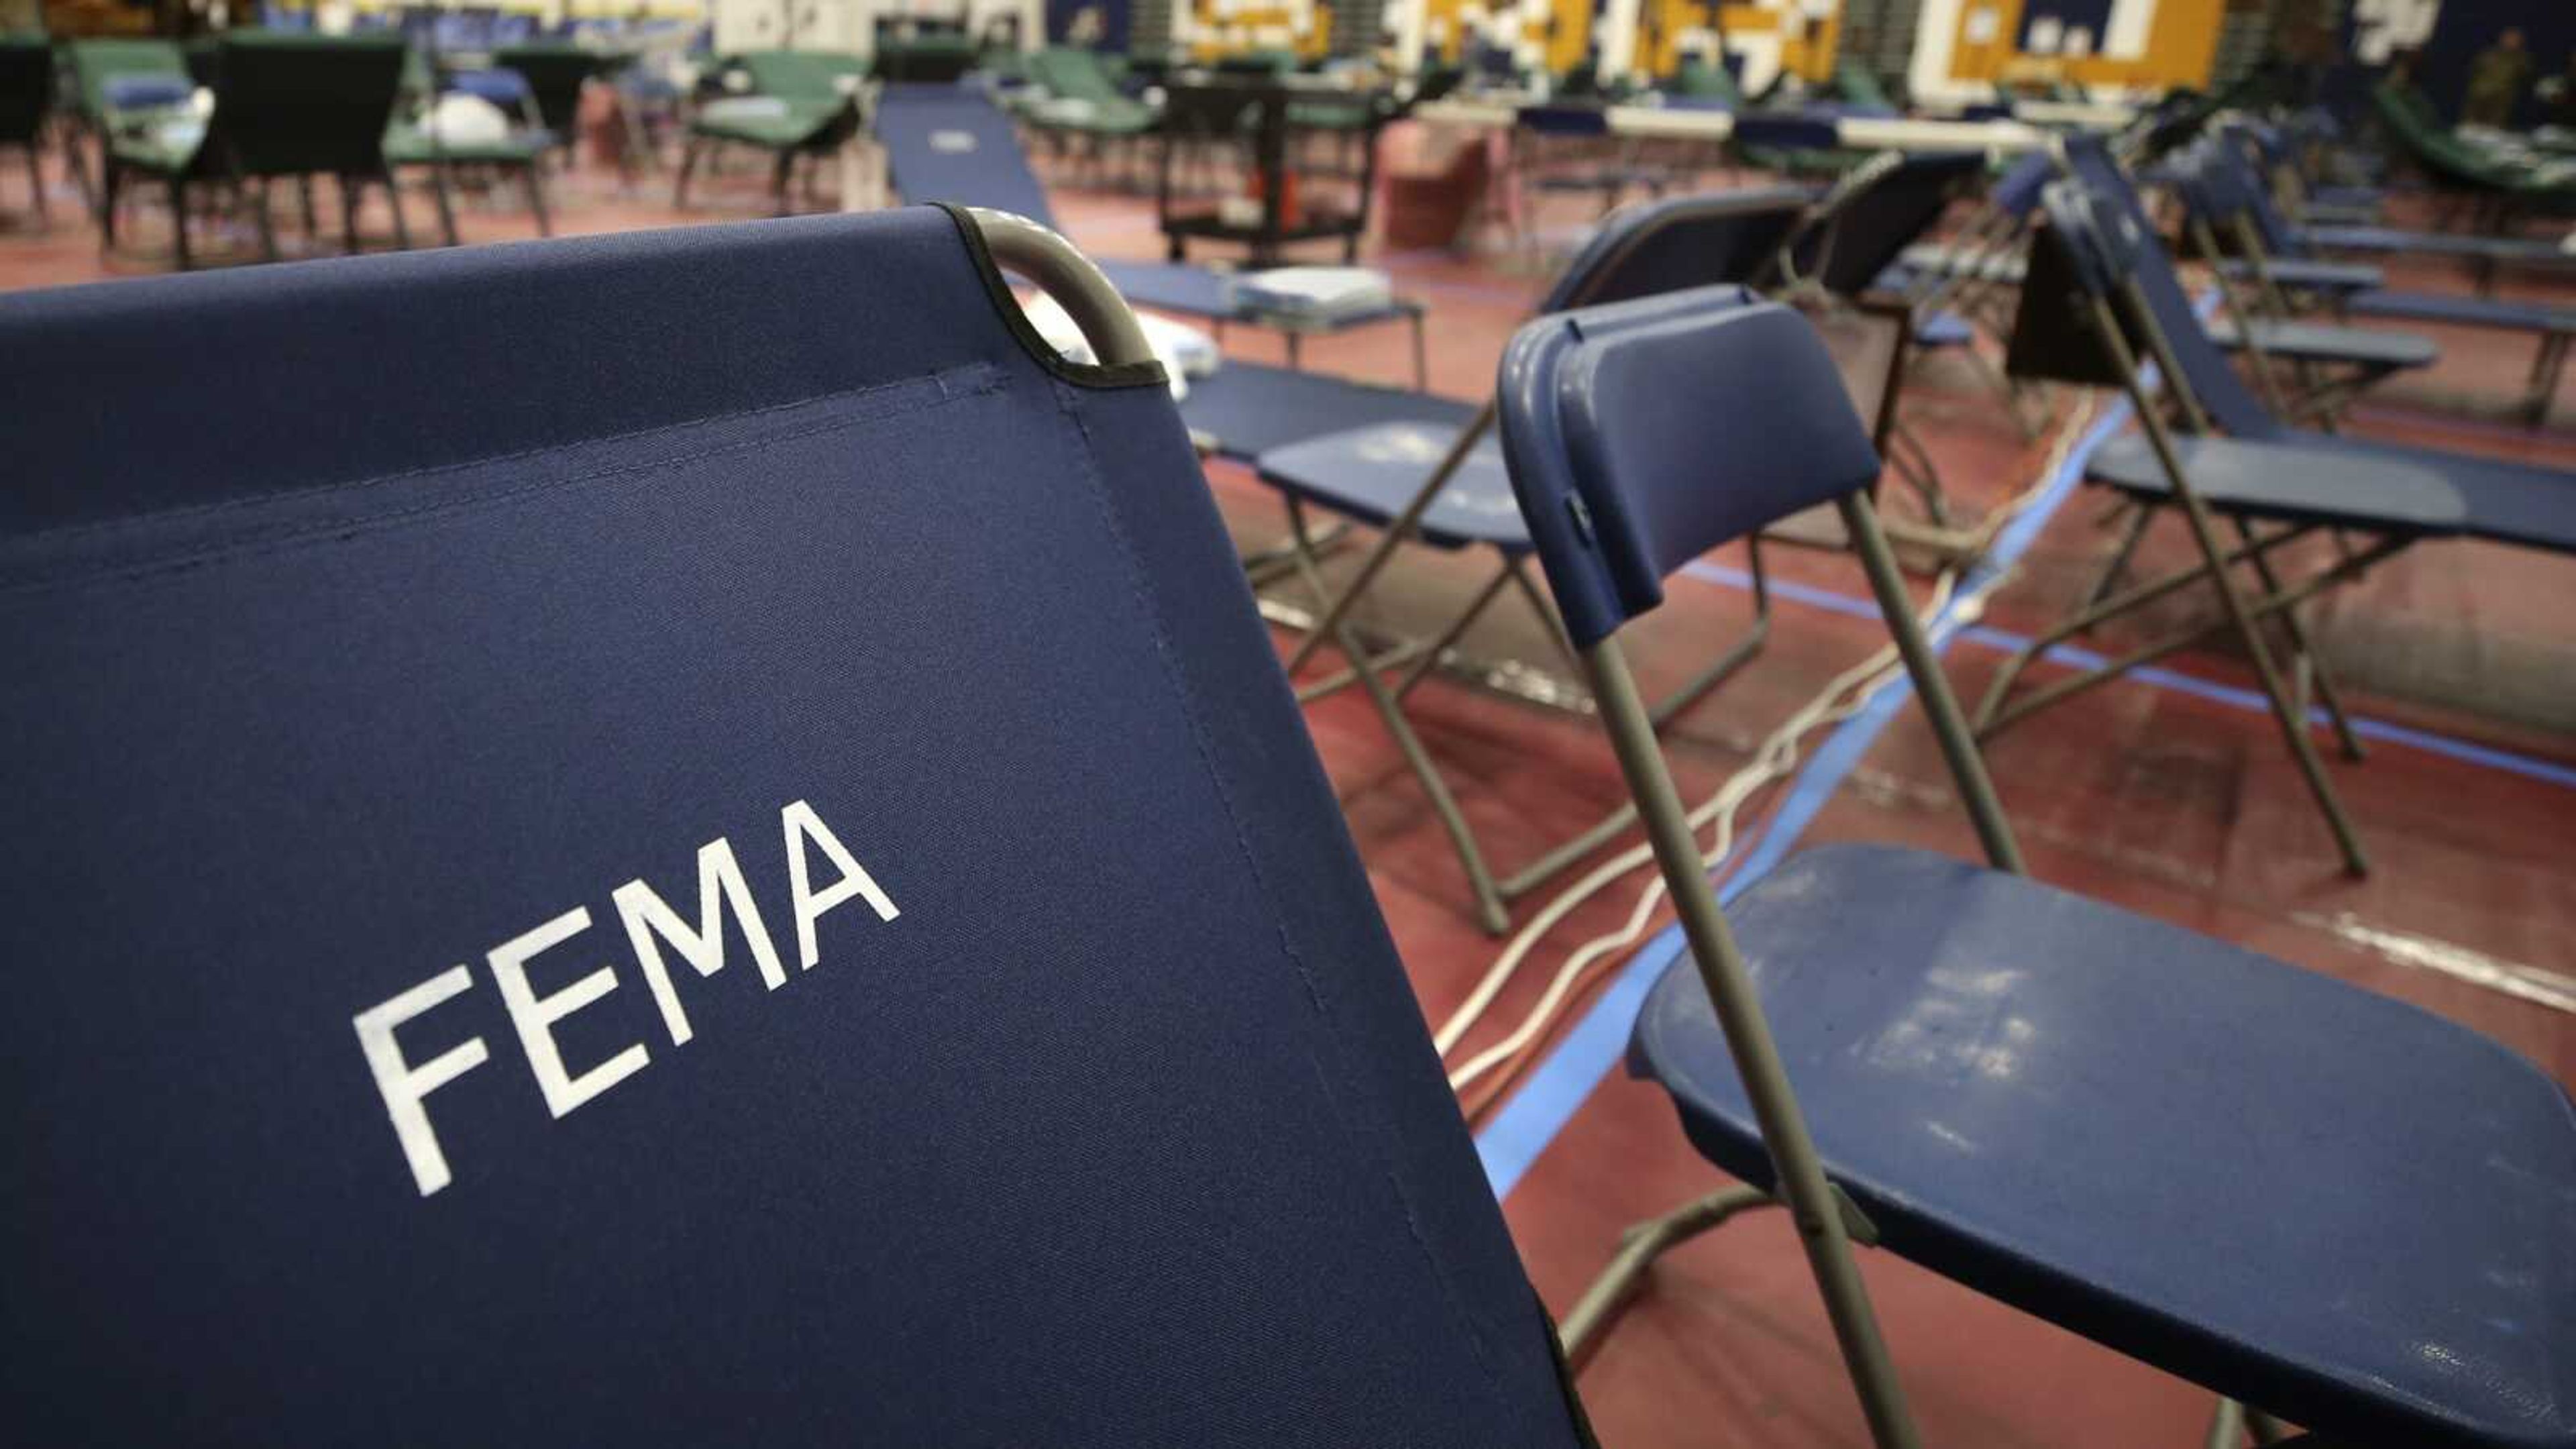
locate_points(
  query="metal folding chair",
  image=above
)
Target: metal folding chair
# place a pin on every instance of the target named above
(2006, 1084)
(643, 942)
(1434, 483)
(2108, 299)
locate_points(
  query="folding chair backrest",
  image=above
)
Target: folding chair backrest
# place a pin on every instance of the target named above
(655, 874)
(287, 104)
(26, 87)
(801, 75)
(951, 143)
(1888, 204)
(2112, 218)
(96, 62)
(1679, 242)
(555, 72)
(1664, 380)
(1070, 73)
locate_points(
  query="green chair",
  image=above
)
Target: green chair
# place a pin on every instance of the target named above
(800, 104)
(1082, 97)
(94, 66)
(416, 141)
(26, 96)
(285, 106)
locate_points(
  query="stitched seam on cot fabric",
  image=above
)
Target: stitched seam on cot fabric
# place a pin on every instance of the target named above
(329, 490)
(290, 538)
(1140, 584)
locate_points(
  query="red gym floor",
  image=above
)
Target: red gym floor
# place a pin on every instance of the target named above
(2174, 800)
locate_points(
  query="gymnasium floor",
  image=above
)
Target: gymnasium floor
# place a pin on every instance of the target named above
(2171, 795)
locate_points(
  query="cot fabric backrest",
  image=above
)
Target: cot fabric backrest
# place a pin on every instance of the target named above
(303, 103)
(1643, 434)
(2119, 222)
(951, 143)
(1679, 242)
(720, 855)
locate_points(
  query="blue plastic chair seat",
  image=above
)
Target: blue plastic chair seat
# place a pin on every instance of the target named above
(2293, 481)
(1248, 409)
(2503, 314)
(1371, 474)
(2181, 1149)
(2435, 243)
(2324, 342)
(2304, 274)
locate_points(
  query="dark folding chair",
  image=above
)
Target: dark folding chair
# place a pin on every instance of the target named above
(286, 106)
(2009, 1085)
(26, 103)
(445, 733)
(2243, 464)
(1438, 480)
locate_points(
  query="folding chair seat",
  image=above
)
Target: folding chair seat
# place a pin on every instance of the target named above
(2116, 299)
(1398, 468)
(1971, 1047)
(444, 733)
(2005, 1083)
(802, 106)
(423, 141)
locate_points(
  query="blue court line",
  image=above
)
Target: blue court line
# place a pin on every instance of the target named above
(2004, 641)
(1561, 1082)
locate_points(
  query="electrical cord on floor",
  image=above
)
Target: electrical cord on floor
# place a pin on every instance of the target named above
(1840, 699)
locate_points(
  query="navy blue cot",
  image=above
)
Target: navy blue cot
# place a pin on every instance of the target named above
(2330, 1206)
(951, 143)
(389, 767)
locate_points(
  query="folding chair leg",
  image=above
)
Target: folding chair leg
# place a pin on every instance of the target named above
(266, 223)
(537, 198)
(440, 198)
(36, 188)
(1547, 866)
(688, 168)
(2226, 1427)
(402, 226)
(1397, 530)
(781, 174)
(1639, 1247)
(348, 190)
(1819, 1210)
(2140, 517)
(1489, 905)
(2305, 660)
(179, 221)
(2204, 534)
(304, 195)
